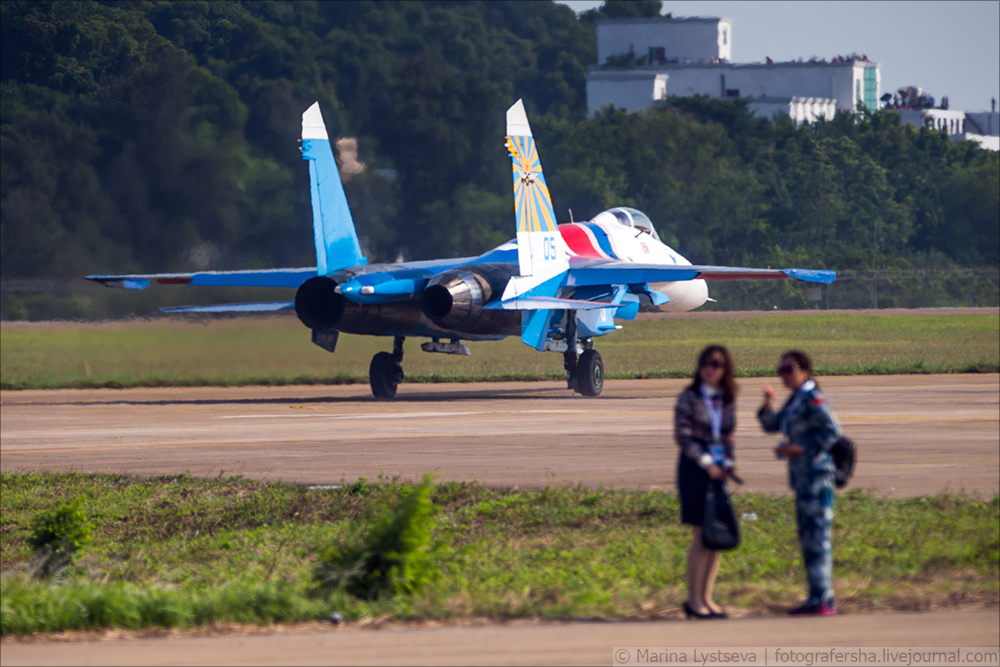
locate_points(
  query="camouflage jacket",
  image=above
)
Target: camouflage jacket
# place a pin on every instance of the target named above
(807, 420)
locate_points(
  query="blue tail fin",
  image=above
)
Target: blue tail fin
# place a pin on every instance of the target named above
(337, 244)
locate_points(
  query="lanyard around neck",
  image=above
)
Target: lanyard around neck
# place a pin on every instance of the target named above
(713, 405)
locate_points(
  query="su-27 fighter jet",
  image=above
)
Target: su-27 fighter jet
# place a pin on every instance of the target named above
(557, 286)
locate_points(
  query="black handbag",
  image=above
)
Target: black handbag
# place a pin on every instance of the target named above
(719, 529)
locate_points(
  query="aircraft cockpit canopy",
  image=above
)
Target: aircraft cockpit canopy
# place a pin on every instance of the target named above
(628, 217)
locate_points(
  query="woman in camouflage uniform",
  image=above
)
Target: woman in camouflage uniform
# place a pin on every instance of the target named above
(810, 430)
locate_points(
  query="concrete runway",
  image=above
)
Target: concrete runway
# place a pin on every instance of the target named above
(917, 434)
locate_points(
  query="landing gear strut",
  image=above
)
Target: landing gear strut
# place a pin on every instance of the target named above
(386, 370)
(586, 374)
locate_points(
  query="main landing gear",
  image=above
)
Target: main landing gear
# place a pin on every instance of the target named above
(386, 370)
(585, 374)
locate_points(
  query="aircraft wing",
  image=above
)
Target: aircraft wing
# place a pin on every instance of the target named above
(544, 303)
(259, 307)
(262, 278)
(620, 273)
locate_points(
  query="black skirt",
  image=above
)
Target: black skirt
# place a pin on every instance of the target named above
(692, 483)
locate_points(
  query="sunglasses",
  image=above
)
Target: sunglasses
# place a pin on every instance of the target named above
(785, 369)
(714, 363)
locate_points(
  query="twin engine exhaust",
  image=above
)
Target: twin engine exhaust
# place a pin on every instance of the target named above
(318, 304)
(454, 301)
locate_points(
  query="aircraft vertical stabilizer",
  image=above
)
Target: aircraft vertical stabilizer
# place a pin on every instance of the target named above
(337, 244)
(541, 250)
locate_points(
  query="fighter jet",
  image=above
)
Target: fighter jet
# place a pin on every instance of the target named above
(557, 286)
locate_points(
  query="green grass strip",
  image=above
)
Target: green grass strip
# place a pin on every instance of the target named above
(183, 552)
(278, 351)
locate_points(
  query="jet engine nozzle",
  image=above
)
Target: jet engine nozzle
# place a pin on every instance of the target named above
(455, 299)
(318, 304)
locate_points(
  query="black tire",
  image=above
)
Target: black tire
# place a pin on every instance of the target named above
(590, 373)
(384, 375)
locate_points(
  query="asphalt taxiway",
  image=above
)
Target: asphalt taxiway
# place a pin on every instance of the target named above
(917, 434)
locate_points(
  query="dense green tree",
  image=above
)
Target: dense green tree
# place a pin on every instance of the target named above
(155, 135)
(624, 9)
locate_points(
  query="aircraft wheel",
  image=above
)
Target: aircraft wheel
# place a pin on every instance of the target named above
(590, 373)
(384, 374)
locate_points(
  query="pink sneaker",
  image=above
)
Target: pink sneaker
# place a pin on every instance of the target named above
(821, 609)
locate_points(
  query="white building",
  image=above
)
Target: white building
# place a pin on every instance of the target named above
(799, 109)
(693, 54)
(946, 120)
(986, 123)
(981, 127)
(683, 39)
(632, 90)
(990, 143)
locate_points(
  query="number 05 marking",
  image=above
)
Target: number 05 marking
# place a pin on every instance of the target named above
(549, 247)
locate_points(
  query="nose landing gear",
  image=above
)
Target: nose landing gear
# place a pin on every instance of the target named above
(590, 373)
(386, 370)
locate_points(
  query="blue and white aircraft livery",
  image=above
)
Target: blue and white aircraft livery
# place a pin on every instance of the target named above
(556, 286)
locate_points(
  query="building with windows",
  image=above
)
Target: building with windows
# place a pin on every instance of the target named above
(644, 60)
(946, 120)
(799, 109)
(980, 127)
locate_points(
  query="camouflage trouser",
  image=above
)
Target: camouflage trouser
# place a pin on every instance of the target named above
(814, 515)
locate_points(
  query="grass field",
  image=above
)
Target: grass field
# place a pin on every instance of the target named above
(178, 551)
(277, 350)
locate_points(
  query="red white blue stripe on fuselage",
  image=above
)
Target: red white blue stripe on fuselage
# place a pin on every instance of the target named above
(588, 239)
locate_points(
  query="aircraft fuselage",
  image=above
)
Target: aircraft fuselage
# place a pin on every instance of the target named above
(377, 299)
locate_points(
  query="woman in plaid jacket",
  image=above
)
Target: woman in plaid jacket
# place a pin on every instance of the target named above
(704, 421)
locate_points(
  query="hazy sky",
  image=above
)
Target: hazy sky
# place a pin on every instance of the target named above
(947, 48)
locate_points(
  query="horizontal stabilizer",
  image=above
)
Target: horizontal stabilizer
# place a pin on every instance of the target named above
(546, 302)
(617, 273)
(260, 307)
(264, 278)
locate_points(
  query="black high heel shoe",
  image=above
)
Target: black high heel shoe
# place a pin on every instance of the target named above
(691, 613)
(719, 614)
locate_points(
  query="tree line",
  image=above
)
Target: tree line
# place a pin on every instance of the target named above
(148, 136)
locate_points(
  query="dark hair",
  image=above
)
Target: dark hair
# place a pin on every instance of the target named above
(801, 359)
(728, 382)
